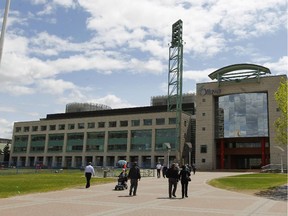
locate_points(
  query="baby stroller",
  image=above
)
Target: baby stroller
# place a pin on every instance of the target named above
(122, 183)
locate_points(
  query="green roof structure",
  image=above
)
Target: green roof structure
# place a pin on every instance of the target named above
(239, 72)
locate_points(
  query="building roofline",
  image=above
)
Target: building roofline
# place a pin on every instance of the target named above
(113, 112)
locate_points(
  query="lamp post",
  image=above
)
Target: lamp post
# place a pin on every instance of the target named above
(168, 146)
(281, 159)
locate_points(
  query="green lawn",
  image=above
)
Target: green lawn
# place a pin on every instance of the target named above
(18, 184)
(252, 182)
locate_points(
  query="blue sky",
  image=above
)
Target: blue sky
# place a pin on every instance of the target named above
(116, 52)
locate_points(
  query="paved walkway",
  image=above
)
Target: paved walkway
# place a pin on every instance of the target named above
(152, 199)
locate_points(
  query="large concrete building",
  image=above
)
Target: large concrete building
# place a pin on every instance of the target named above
(71, 139)
(235, 119)
(233, 128)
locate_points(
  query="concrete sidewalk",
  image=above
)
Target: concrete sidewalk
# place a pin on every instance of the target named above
(152, 199)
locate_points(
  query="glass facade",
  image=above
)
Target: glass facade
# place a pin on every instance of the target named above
(242, 115)
(165, 136)
(141, 140)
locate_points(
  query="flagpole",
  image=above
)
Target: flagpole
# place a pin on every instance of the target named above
(4, 28)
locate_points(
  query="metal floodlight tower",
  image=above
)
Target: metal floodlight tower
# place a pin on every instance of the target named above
(174, 102)
(4, 27)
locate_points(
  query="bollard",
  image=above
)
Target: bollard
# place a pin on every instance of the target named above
(104, 174)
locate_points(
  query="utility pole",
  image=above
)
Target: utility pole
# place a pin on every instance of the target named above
(174, 102)
(4, 28)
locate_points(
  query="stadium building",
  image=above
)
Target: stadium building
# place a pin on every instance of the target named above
(235, 119)
(102, 135)
(228, 124)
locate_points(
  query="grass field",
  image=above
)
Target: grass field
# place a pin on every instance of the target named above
(12, 185)
(250, 182)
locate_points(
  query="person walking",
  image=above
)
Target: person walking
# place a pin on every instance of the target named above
(164, 170)
(89, 171)
(173, 177)
(158, 167)
(134, 176)
(184, 178)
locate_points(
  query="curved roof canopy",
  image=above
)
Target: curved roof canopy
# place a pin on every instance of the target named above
(239, 72)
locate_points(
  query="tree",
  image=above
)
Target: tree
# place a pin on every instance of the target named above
(6, 151)
(281, 122)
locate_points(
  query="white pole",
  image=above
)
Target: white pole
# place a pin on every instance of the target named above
(4, 27)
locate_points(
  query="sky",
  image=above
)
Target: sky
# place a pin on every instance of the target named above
(116, 52)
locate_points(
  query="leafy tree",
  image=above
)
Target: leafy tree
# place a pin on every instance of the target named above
(6, 151)
(281, 122)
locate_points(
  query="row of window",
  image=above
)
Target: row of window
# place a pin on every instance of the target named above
(117, 141)
(91, 125)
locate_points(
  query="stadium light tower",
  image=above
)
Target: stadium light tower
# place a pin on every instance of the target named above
(174, 102)
(4, 28)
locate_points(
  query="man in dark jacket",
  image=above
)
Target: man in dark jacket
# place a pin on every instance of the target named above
(134, 176)
(173, 177)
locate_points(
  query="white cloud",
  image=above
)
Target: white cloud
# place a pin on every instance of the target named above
(5, 128)
(279, 67)
(112, 101)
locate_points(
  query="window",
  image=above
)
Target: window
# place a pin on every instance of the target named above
(203, 149)
(241, 115)
(61, 127)
(112, 124)
(203, 128)
(203, 114)
(81, 125)
(34, 128)
(18, 129)
(135, 122)
(52, 127)
(172, 120)
(101, 124)
(123, 123)
(43, 128)
(91, 125)
(147, 121)
(26, 129)
(160, 121)
(203, 100)
(71, 126)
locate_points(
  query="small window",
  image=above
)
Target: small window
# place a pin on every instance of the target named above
(112, 124)
(160, 121)
(203, 100)
(203, 128)
(147, 121)
(203, 114)
(43, 128)
(123, 123)
(18, 129)
(26, 129)
(81, 125)
(101, 124)
(203, 149)
(91, 125)
(52, 127)
(203, 160)
(61, 127)
(277, 109)
(34, 128)
(135, 122)
(172, 120)
(71, 126)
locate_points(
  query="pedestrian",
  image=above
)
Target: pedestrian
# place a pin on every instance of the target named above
(194, 168)
(134, 176)
(158, 167)
(164, 170)
(184, 178)
(89, 171)
(173, 177)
